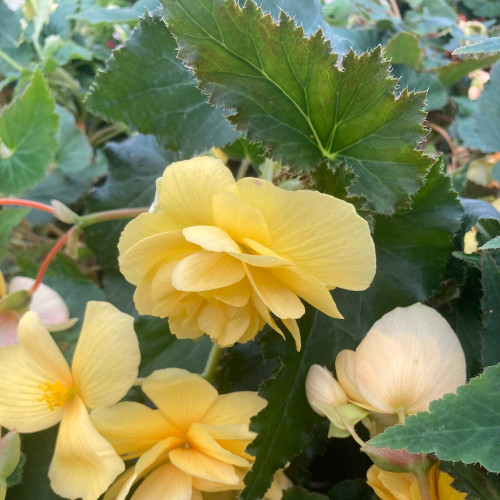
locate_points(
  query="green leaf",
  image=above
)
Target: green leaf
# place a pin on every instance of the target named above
(459, 426)
(488, 8)
(490, 305)
(488, 113)
(9, 219)
(134, 166)
(452, 73)
(289, 94)
(284, 426)
(161, 349)
(473, 479)
(75, 152)
(27, 137)
(172, 108)
(493, 244)
(403, 48)
(97, 15)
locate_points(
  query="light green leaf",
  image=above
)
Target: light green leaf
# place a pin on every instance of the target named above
(289, 94)
(458, 427)
(453, 72)
(488, 8)
(97, 15)
(403, 48)
(492, 244)
(75, 152)
(27, 137)
(482, 47)
(9, 219)
(488, 113)
(149, 88)
(490, 305)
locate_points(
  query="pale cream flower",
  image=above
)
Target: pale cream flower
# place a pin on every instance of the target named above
(193, 442)
(410, 357)
(45, 301)
(321, 387)
(403, 485)
(39, 390)
(218, 256)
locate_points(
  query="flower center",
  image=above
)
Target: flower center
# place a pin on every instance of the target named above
(55, 394)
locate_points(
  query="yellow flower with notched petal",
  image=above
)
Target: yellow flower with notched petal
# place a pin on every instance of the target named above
(410, 357)
(403, 485)
(193, 442)
(38, 390)
(218, 256)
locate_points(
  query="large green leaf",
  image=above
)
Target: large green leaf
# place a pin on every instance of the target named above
(134, 166)
(284, 426)
(488, 8)
(488, 115)
(289, 94)
(462, 426)
(97, 14)
(452, 73)
(27, 137)
(474, 480)
(149, 88)
(490, 305)
(483, 47)
(403, 48)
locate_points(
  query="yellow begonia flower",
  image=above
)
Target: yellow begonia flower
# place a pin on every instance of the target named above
(193, 442)
(45, 301)
(38, 390)
(217, 256)
(403, 485)
(410, 357)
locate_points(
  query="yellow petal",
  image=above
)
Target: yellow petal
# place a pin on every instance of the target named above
(278, 298)
(84, 463)
(181, 396)
(236, 295)
(46, 302)
(219, 491)
(211, 238)
(293, 328)
(197, 464)
(200, 437)
(307, 287)
(36, 340)
(132, 428)
(122, 481)
(156, 249)
(239, 218)
(393, 485)
(409, 357)
(21, 403)
(3, 286)
(321, 234)
(143, 226)
(188, 187)
(206, 271)
(147, 463)
(165, 483)
(107, 356)
(234, 408)
(161, 285)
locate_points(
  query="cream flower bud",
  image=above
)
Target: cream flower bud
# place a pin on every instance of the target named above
(321, 387)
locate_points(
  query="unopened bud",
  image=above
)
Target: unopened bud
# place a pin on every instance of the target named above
(397, 460)
(321, 387)
(16, 301)
(63, 213)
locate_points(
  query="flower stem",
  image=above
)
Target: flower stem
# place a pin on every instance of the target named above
(10, 61)
(423, 484)
(27, 203)
(352, 432)
(48, 259)
(108, 215)
(211, 364)
(139, 381)
(242, 170)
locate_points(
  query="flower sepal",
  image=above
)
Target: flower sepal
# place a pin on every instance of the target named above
(342, 418)
(399, 460)
(18, 301)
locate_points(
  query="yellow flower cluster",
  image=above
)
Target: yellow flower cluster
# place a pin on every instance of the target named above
(193, 442)
(217, 256)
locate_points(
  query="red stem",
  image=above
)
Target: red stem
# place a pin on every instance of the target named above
(27, 203)
(48, 259)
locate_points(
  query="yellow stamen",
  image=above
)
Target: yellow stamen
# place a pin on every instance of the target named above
(55, 394)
